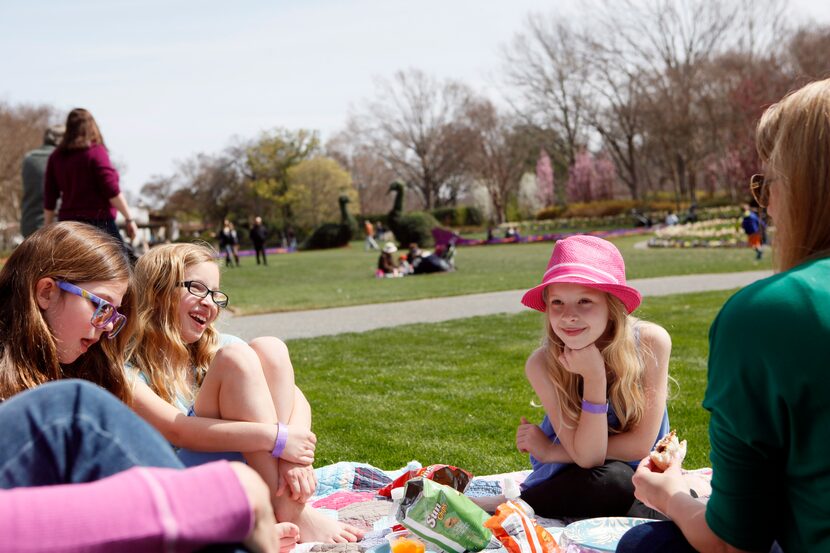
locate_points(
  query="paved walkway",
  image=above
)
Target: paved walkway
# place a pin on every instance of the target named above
(360, 318)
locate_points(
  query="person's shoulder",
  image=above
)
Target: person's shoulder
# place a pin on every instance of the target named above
(536, 364)
(98, 152)
(654, 336)
(784, 293)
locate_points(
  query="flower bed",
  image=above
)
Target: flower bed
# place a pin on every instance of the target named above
(715, 233)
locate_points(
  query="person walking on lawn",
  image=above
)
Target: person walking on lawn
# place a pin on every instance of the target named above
(258, 235)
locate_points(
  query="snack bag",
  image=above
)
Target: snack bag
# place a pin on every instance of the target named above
(453, 477)
(443, 516)
(518, 531)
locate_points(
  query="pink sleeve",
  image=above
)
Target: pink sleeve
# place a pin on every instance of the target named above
(142, 509)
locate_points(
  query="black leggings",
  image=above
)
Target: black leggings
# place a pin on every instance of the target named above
(575, 492)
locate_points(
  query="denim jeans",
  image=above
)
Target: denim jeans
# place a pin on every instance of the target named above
(655, 537)
(73, 431)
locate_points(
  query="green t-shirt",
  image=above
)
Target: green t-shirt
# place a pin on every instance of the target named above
(769, 396)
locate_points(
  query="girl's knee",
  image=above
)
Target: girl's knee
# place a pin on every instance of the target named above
(269, 346)
(238, 360)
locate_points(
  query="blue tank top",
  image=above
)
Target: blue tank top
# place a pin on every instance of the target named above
(544, 471)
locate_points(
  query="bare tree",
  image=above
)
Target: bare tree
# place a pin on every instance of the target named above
(617, 114)
(415, 123)
(21, 130)
(808, 52)
(497, 159)
(667, 43)
(371, 175)
(546, 65)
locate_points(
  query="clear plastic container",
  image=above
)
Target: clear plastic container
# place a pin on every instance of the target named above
(404, 541)
(511, 493)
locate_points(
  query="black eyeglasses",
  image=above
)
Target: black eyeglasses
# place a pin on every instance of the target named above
(105, 313)
(200, 290)
(759, 186)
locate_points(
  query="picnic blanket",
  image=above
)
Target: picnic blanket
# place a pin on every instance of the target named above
(348, 492)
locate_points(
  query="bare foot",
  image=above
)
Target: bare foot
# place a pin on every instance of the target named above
(317, 527)
(489, 502)
(288, 535)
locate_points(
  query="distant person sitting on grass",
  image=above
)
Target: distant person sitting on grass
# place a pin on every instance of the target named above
(387, 265)
(601, 375)
(187, 375)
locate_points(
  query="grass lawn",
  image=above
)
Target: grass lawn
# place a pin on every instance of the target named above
(454, 392)
(333, 278)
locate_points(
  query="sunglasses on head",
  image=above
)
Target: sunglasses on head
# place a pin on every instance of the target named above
(105, 312)
(759, 186)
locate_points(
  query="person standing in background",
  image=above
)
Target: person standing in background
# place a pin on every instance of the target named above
(369, 230)
(34, 173)
(235, 244)
(226, 241)
(79, 172)
(258, 235)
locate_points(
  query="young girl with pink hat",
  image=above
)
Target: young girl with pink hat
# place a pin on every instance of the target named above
(601, 375)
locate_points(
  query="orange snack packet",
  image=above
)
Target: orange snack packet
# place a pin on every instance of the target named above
(518, 532)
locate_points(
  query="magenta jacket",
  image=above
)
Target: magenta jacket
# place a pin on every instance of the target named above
(142, 509)
(85, 180)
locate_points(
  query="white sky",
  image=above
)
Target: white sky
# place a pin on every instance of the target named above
(166, 78)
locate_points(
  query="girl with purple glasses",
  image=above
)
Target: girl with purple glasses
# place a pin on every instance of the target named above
(65, 319)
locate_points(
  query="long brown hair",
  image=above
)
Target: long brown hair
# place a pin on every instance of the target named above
(793, 139)
(78, 253)
(158, 349)
(622, 357)
(81, 131)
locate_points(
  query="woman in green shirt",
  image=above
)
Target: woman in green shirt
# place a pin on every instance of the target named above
(768, 369)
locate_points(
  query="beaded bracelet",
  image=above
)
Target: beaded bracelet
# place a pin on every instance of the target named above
(282, 439)
(595, 408)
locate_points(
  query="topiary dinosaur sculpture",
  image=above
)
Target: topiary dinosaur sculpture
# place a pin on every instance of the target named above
(333, 235)
(410, 227)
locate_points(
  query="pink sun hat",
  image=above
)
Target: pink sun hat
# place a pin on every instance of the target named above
(589, 261)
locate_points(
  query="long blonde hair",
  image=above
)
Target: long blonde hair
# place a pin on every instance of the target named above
(77, 253)
(158, 349)
(793, 139)
(622, 357)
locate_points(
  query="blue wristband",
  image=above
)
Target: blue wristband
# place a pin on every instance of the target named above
(595, 408)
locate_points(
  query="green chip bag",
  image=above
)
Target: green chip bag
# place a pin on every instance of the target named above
(443, 516)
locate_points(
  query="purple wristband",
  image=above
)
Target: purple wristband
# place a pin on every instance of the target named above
(282, 439)
(595, 408)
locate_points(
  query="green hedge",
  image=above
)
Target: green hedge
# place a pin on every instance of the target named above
(461, 216)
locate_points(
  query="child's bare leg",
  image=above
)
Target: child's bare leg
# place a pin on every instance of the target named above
(279, 373)
(292, 407)
(235, 389)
